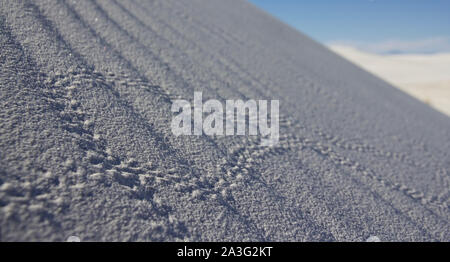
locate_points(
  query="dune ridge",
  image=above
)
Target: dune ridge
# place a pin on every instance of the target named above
(86, 148)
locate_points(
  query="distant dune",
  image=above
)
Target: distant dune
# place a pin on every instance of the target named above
(426, 77)
(87, 152)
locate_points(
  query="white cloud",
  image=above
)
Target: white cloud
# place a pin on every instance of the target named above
(428, 45)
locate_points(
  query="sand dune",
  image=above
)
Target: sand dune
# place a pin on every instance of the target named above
(86, 148)
(425, 77)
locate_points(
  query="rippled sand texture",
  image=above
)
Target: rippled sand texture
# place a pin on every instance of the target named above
(86, 148)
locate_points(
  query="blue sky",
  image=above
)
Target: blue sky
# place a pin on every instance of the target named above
(414, 26)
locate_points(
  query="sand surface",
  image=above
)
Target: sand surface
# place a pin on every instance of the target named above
(86, 148)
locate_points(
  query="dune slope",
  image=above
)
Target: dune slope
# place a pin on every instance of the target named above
(86, 147)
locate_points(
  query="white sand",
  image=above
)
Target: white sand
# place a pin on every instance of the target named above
(426, 77)
(86, 147)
